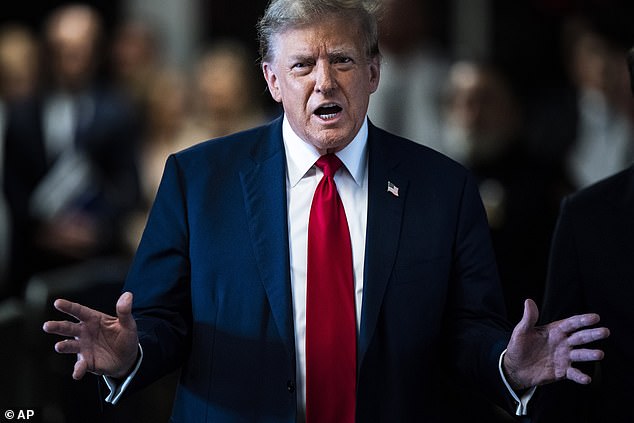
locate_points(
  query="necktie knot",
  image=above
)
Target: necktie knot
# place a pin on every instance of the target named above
(329, 164)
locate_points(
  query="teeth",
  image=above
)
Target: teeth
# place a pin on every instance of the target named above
(324, 113)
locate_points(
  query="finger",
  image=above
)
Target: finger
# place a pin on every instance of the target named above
(588, 335)
(67, 346)
(530, 316)
(76, 310)
(63, 328)
(577, 322)
(124, 309)
(584, 354)
(80, 369)
(578, 376)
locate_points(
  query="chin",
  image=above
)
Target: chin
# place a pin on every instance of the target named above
(334, 141)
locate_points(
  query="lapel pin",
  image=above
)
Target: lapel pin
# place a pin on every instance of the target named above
(392, 189)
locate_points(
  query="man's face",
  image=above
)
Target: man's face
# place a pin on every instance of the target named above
(323, 79)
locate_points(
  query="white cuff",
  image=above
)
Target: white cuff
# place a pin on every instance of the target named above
(522, 403)
(116, 389)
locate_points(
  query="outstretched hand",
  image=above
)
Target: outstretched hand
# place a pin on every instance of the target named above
(104, 344)
(537, 355)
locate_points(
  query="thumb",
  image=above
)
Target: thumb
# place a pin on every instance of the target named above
(124, 309)
(530, 316)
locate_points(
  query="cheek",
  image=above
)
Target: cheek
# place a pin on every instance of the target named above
(359, 99)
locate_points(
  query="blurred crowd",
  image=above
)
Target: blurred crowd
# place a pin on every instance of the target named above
(87, 121)
(527, 150)
(87, 125)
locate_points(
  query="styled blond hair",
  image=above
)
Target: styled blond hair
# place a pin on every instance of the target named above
(281, 15)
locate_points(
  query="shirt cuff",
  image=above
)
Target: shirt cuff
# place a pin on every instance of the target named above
(522, 403)
(117, 388)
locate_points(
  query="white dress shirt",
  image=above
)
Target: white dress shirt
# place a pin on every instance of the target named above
(302, 178)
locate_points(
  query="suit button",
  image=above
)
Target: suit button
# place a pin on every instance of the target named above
(290, 386)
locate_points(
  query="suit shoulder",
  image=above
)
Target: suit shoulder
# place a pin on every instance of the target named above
(234, 146)
(613, 187)
(616, 191)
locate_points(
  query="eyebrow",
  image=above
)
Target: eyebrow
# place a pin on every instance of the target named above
(339, 52)
(299, 57)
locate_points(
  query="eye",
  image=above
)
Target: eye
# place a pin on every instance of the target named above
(342, 62)
(301, 65)
(342, 59)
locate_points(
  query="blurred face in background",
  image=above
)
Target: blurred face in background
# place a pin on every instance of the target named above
(19, 63)
(481, 114)
(224, 83)
(72, 36)
(134, 50)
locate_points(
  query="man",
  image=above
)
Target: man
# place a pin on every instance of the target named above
(484, 130)
(590, 269)
(223, 279)
(71, 176)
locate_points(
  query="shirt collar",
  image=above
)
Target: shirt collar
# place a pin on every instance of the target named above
(301, 156)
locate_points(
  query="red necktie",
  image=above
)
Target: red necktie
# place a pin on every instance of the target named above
(330, 312)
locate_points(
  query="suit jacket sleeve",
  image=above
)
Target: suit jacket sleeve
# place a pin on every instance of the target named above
(476, 314)
(159, 278)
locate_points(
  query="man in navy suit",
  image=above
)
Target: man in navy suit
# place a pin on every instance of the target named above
(220, 277)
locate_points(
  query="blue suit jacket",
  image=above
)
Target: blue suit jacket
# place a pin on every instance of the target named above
(212, 283)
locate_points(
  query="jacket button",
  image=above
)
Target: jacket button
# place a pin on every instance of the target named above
(290, 386)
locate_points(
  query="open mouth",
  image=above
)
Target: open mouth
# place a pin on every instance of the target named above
(328, 111)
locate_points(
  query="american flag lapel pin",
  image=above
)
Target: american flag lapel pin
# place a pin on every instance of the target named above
(392, 189)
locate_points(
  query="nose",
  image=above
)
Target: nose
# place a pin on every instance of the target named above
(324, 78)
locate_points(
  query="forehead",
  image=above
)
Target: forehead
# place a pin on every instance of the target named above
(329, 35)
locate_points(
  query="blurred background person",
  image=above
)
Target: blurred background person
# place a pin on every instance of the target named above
(483, 128)
(182, 107)
(19, 63)
(586, 125)
(225, 96)
(136, 60)
(71, 179)
(590, 270)
(170, 127)
(71, 153)
(413, 70)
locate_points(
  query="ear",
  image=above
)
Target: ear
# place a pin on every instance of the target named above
(375, 73)
(272, 81)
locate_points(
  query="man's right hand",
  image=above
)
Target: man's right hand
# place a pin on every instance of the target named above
(104, 344)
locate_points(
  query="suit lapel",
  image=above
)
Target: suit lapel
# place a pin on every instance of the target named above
(264, 189)
(385, 212)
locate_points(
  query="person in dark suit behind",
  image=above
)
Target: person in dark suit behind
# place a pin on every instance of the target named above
(223, 279)
(71, 153)
(590, 270)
